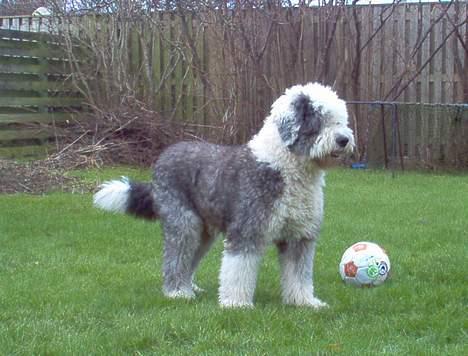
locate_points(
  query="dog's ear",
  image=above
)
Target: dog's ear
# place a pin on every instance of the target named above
(305, 120)
(307, 115)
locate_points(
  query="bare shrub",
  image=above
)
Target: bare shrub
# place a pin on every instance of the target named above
(212, 68)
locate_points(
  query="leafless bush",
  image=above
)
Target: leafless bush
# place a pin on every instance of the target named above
(111, 67)
(212, 68)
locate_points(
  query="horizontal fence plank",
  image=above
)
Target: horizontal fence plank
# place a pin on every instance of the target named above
(18, 76)
(29, 68)
(36, 85)
(24, 134)
(23, 68)
(11, 44)
(31, 36)
(54, 63)
(19, 109)
(41, 101)
(6, 77)
(22, 93)
(4, 60)
(27, 151)
(53, 49)
(24, 50)
(35, 117)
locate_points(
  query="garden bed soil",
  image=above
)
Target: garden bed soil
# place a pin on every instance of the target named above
(38, 177)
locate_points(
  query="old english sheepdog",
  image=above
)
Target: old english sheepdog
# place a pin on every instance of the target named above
(269, 190)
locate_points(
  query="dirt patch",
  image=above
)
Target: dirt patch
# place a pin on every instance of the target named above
(38, 177)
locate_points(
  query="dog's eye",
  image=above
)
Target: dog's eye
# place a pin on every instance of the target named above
(310, 128)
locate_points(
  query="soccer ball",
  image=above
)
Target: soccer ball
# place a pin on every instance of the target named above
(364, 264)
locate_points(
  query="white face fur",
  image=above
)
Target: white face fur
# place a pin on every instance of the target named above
(324, 115)
(308, 121)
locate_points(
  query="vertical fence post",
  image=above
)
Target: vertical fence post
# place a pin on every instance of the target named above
(384, 133)
(43, 70)
(396, 136)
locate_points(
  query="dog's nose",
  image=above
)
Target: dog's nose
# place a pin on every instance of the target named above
(342, 141)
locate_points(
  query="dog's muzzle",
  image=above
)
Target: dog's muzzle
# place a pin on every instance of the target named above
(344, 145)
(342, 141)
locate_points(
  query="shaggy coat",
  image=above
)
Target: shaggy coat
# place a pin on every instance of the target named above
(267, 191)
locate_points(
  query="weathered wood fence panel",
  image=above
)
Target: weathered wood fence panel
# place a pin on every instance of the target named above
(212, 73)
(34, 92)
(167, 74)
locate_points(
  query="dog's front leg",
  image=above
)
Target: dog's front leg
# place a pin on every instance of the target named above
(296, 259)
(238, 278)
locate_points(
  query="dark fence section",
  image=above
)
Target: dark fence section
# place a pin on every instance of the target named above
(36, 98)
(411, 135)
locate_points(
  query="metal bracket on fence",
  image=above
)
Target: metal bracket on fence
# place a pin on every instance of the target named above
(462, 106)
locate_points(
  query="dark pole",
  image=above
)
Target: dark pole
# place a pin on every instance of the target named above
(382, 115)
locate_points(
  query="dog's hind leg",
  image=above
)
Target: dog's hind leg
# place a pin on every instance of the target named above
(207, 238)
(182, 236)
(296, 259)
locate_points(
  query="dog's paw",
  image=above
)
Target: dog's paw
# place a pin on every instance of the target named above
(316, 304)
(306, 300)
(232, 304)
(180, 294)
(197, 289)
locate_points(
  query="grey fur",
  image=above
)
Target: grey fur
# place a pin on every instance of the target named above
(201, 189)
(300, 131)
(142, 202)
(269, 190)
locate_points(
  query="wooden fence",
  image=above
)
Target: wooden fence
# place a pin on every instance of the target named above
(226, 74)
(412, 53)
(414, 135)
(35, 96)
(418, 56)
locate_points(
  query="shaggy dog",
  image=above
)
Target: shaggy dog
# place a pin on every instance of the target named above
(267, 191)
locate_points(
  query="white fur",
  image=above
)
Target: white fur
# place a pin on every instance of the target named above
(296, 216)
(302, 201)
(180, 294)
(296, 290)
(296, 275)
(113, 196)
(323, 98)
(301, 205)
(238, 277)
(298, 213)
(268, 146)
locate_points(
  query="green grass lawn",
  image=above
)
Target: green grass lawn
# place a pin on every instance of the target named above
(74, 280)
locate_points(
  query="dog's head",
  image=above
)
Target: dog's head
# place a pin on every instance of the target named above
(313, 122)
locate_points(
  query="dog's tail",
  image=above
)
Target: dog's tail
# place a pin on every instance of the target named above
(125, 196)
